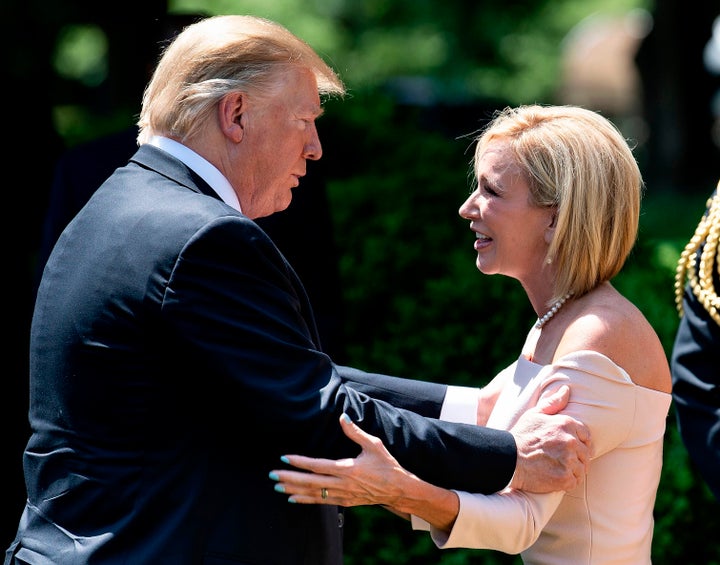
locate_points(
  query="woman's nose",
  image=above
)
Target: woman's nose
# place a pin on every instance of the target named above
(468, 208)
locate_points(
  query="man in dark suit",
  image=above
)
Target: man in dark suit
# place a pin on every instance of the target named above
(695, 359)
(303, 232)
(175, 354)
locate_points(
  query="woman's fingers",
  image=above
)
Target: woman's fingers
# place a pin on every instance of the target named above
(369, 443)
(313, 485)
(352, 430)
(343, 482)
(357, 434)
(305, 488)
(313, 464)
(331, 466)
(335, 466)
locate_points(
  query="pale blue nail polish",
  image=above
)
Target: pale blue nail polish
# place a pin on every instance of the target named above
(346, 418)
(279, 488)
(291, 500)
(274, 476)
(284, 459)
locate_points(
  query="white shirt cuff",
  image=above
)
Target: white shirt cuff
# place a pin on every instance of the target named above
(460, 404)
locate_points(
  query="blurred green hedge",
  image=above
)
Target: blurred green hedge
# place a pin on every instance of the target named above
(416, 305)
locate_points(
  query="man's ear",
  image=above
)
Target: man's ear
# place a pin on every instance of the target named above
(231, 115)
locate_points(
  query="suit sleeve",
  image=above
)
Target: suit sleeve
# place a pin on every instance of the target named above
(696, 387)
(422, 397)
(236, 306)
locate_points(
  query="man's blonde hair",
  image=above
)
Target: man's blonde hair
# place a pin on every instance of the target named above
(219, 55)
(577, 162)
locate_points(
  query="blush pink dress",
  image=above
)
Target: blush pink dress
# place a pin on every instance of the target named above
(608, 519)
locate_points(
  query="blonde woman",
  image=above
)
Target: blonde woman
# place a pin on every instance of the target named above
(556, 207)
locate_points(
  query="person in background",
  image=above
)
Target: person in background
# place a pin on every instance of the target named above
(81, 169)
(174, 353)
(556, 207)
(695, 357)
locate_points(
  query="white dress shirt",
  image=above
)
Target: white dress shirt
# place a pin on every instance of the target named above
(207, 171)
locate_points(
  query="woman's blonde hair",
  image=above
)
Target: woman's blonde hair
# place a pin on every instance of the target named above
(698, 271)
(219, 55)
(578, 162)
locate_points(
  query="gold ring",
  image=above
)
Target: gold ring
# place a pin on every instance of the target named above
(323, 493)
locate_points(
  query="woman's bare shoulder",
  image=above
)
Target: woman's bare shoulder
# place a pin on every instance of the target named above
(612, 325)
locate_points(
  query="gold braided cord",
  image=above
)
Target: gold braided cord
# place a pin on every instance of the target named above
(700, 277)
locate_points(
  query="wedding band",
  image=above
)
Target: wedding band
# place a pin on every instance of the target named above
(323, 493)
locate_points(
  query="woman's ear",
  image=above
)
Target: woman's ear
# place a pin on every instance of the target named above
(550, 229)
(231, 115)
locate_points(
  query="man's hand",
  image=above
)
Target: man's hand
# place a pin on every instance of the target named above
(553, 450)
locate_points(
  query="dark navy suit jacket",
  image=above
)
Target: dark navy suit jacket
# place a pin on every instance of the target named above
(695, 366)
(174, 359)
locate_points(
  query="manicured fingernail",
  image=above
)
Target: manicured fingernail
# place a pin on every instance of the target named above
(284, 459)
(291, 500)
(346, 418)
(279, 488)
(274, 476)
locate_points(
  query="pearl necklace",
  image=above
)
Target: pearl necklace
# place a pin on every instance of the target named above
(550, 313)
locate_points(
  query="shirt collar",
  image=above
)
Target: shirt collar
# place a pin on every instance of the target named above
(207, 171)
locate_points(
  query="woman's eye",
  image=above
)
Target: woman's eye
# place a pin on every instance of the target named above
(490, 190)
